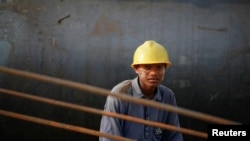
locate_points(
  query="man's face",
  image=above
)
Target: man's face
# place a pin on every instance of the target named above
(150, 75)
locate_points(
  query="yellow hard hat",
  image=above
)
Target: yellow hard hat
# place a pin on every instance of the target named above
(151, 52)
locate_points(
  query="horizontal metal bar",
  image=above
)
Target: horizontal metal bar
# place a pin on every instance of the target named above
(105, 92)
(61, 125)
(101, 112)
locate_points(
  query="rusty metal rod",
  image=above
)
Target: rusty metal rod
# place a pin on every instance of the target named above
(61, 125)
(105, 92)
(101, 112)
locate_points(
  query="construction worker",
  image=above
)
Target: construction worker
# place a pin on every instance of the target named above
(150, 62)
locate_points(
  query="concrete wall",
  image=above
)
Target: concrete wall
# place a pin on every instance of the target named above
(92, 42)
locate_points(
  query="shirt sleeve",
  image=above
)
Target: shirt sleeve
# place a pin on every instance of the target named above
(110, 125)
(172, 119)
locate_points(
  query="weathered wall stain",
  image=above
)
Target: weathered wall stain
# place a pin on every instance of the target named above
(215, 29)
(105, 26)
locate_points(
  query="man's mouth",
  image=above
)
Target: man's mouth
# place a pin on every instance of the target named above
(153, 80)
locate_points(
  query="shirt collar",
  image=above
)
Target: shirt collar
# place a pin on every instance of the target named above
(138, 93)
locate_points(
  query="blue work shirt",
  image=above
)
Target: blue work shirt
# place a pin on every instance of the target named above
(140, 132)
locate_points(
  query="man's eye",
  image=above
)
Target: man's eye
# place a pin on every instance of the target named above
(147, 67)
(160, 67)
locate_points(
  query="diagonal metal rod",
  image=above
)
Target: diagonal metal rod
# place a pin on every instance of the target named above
(105, 92)
(101, 112)
(61, 125)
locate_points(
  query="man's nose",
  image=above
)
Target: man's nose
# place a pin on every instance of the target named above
(154, 71)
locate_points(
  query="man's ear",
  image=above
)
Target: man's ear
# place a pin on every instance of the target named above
(135, 67)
